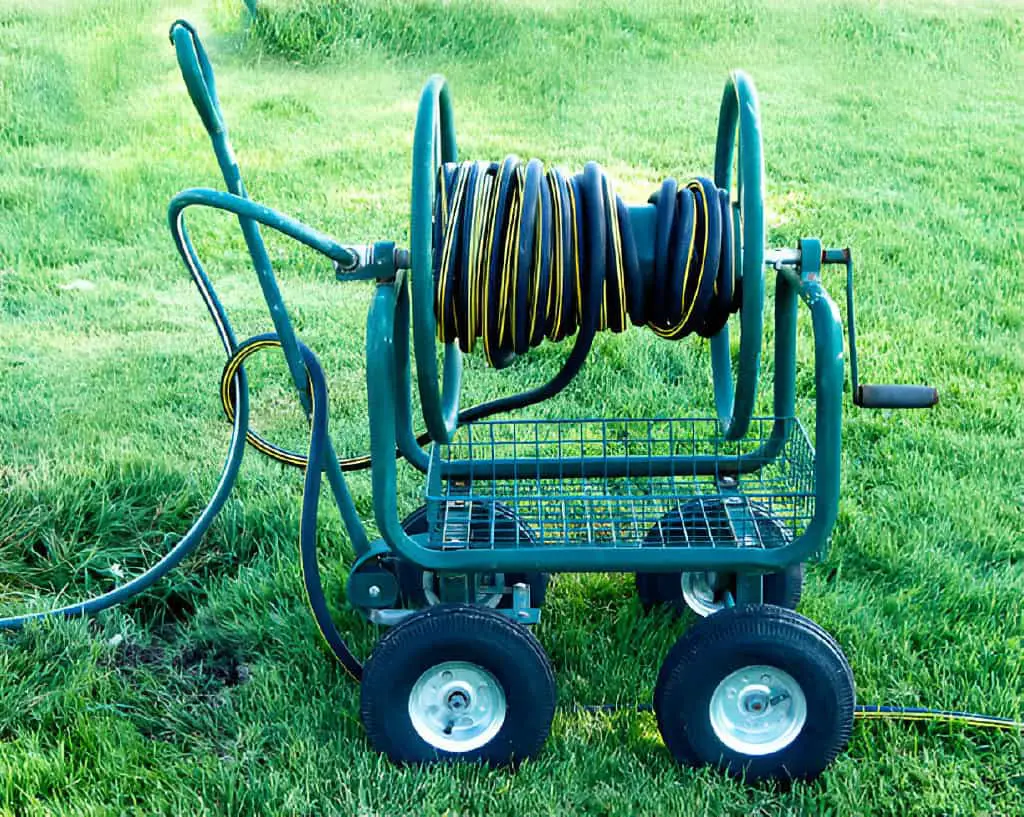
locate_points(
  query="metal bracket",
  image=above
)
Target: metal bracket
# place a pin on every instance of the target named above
(369, 583)
(392, 616)
(458, 588)
(749, 586)
(373, 262)
(521, 610)
(808, 259)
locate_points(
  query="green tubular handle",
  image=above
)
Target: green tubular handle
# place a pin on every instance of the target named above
(739, 132)
(197, 72)
(433, 143)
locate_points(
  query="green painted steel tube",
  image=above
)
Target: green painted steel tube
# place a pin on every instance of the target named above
(828, 419)
(197, 72)
(257, 213)
(381, 391)
(433, 143)
(786, 295)
(577, 468)
(408, 445)
(252, 211)
(739, 114)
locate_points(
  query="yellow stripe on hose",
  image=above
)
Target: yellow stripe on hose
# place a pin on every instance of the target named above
(533, 295)
(698, 190)
(479, 253)
(231, 367)
(941, 717)
(440, 290)
(230, 371)
(443, 184)
(575, 254)
(620, 271)
(673, 332)
(506, 309)
(555, 282)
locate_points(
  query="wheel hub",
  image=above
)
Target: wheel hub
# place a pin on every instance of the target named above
(699, 592)
(457, 706)
(758, 710)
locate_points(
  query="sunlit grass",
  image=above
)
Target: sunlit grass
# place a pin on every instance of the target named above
(892, 129)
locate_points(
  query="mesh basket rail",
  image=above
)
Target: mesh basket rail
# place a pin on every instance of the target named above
(620, 484)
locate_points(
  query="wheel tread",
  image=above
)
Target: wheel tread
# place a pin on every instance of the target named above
(752, 624)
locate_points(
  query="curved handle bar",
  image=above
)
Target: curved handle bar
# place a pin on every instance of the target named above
(249, 209)
(198, 75)
(739, 128)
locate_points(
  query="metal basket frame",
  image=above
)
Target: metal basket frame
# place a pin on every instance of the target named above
(634, 483)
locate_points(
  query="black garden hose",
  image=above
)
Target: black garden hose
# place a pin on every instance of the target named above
(511, 266)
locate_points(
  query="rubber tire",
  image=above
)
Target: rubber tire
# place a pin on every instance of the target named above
(410, 576)
(782, 589)
(741, 636)
(456, 632)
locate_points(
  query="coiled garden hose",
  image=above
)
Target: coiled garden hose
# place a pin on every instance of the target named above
(511, 265)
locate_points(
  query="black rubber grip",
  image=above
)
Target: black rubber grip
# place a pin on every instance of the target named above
(895, 397)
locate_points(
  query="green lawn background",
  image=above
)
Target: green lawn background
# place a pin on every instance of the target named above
(894, 128)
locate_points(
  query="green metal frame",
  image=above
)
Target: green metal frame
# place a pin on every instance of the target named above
(406, 296)
(387, 385)
(389, 351)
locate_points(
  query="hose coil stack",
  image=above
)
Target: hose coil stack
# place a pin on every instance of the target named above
(515, 250)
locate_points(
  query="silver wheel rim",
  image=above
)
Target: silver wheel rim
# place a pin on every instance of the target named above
(457, 706)
(699, 593)
(758, 710)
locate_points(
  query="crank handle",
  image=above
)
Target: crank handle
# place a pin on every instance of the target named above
(895, 396)
(808, 258)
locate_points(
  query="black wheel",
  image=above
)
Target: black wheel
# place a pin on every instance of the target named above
(458, 682)
(702, 522)
(419, 588)
(759, 691)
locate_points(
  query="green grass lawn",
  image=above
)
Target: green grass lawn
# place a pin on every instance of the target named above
(895, 128)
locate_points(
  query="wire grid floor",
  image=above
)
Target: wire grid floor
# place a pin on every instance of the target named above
(543, 505)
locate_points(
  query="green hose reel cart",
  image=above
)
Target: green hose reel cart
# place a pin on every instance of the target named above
(716, 515)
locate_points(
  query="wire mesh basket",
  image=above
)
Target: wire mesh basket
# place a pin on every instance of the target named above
(621, 484)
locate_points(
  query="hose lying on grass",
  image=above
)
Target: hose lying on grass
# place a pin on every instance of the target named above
(869, 712)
